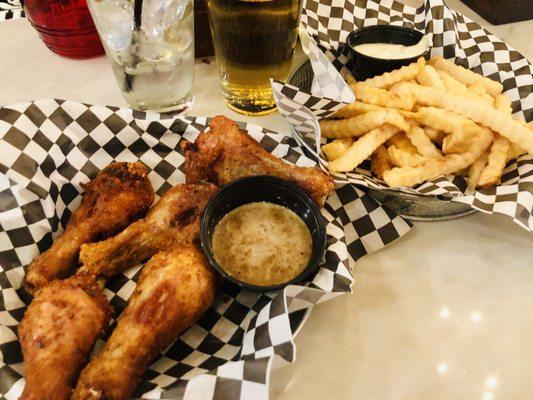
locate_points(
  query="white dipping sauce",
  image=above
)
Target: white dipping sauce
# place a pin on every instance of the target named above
(391, 51)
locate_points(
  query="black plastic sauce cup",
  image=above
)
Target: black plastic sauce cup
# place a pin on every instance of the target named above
(364, 67)
(264, 189)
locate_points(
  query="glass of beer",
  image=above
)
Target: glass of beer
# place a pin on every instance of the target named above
(254, 41)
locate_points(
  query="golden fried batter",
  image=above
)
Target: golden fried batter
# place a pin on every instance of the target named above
(225, 153)
(174, 289)
(118, 195)
(57, 334)
(174, 219)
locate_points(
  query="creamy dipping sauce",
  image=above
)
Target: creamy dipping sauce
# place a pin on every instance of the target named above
(262, 244)
(391, 51)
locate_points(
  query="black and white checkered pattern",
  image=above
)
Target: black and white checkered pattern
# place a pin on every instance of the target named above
(10, 9)
(328, 23)
(49, 147)
(327, 79)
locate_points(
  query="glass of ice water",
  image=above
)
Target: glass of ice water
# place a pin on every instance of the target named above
(150, 44)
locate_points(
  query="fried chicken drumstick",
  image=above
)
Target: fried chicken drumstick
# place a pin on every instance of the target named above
(174, 289)
(225, 153)
(57, 334)
(118, 195)
(175, 219)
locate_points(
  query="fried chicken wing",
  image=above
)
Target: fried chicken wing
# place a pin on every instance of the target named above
(174, 289)
(57, 334)
(175, 219)
(225, 153)
(118, 195)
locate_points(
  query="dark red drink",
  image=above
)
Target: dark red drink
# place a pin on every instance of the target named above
(65, 26)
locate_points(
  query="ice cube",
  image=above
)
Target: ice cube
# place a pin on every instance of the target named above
(153, 57)
(158, 15)
(114, 21)
(156, 52)
(180, 34)
(176, 12)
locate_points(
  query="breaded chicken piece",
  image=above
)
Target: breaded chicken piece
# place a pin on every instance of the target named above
(174, 289)
(226, 153)
(118, 195)
(57, 334)
(175, 219)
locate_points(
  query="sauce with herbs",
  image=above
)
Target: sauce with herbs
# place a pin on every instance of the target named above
(262, 244)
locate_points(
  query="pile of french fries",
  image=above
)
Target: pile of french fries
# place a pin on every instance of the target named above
(425, 120)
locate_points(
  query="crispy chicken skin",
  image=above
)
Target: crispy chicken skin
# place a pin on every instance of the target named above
(174, 289)
(118, 195)
(57, 334)
(175, 219)
(225, 153)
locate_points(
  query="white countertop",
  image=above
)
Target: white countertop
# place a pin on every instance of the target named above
(445, 312)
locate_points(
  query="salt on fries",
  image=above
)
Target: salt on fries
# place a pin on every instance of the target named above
(425, 120)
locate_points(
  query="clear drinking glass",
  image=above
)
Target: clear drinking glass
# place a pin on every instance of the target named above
(150, 44)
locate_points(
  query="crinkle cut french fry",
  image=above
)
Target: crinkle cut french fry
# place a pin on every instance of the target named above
(434, 167)
(401, 141)
(474, 91)
(459, 129)
(479, 112)
(515, 151)
(382, 97)
(460, 140)
(352, 127)
(474, 171)
(435, 135)
(361, 124)
(430, 77)
(403, 158)
(466, 76)
(503, 103)
(422, 142)
(402, 74)
(453, 85)
(441, 120)
(380, 161)
(497, 158)
(336, 148)
(497, 161)
(348, 77)
(477, 91)
(463, 173)
(355, 109)
(361, 149)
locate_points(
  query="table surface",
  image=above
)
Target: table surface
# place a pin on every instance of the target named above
(445, 312)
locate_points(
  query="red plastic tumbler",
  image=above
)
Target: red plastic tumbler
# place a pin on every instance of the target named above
(65, 26)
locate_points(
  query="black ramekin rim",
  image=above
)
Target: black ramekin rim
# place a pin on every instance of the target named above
(319, 244)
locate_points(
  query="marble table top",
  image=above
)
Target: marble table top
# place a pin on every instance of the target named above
(445, 312)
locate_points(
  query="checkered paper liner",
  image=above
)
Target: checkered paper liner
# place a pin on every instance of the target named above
(325, 27)
(10, 9)
(49, 147)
